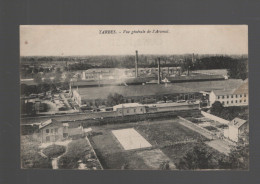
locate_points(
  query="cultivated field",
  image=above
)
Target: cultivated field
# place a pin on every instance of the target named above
(169, 139)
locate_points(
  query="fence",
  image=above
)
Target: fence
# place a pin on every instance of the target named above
(197, 128)
(94, 153)
(215, 118)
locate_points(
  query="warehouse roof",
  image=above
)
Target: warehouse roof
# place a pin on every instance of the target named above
(155, 89)
(132, 91)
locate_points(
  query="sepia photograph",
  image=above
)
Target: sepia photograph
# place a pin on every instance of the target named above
(134, 97)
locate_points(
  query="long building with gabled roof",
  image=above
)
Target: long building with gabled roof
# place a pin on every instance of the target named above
(231, 97)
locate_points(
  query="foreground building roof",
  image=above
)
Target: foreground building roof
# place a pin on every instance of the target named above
(237, 122)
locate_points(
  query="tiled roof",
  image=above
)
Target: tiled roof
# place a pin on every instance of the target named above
(237, 122)
(224, 92)
(48, 122)
(131, 91)
(243, 89)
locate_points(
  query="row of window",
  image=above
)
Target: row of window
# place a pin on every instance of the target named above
(48, 139)
(51, 130)
(231, 96)
(235, 101)
(127, 111)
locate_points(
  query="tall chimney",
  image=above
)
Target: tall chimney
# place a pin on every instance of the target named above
(159, 72)
(136, 63)
(192, 59)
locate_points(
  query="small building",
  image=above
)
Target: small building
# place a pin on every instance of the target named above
(236, 129)
(52, 130)
(129, 109)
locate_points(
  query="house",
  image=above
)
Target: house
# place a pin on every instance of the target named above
(230, 97)
(236, 129)
(52, 130)
(129, 109)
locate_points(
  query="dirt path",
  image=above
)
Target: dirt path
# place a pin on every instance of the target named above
(54, 163)
(220, 145)
(196, 128)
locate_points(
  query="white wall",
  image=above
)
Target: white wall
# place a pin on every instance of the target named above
(215, 118)
(212, 98)
(233, 133)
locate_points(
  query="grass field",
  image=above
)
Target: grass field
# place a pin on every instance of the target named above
(165, 136)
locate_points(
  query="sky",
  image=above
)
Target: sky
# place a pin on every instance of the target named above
(73, 40)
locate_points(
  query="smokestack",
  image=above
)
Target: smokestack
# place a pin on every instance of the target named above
(159, 72)
(136, 63)
(192, 59)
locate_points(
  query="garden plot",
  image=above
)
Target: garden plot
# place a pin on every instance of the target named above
(130, 139)
(153, 158)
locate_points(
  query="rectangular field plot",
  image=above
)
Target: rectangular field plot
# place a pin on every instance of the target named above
(129, 138)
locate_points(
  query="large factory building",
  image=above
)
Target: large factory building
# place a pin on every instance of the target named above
(132, 94)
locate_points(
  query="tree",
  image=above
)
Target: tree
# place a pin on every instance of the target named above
(238, 70)
(165, 165)
(30, 109)
(238, 158)
(197, 158)
(114, 99)
(216, 108)
(38, 78)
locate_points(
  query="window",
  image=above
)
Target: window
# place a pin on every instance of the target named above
(227, 102)
(141, 109)
(240, 95)
(227, 96)
(236, 101)
(231, 101)
(244, 95)
(240, 101)
(51, 130)
(127, 111)
(223, 97)
(56, 130)
(47, 137)
(244, 100)
(231, 96)
(47, 131)
(134, 110)
(223, 103)
(218, 97)
(236, 96)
